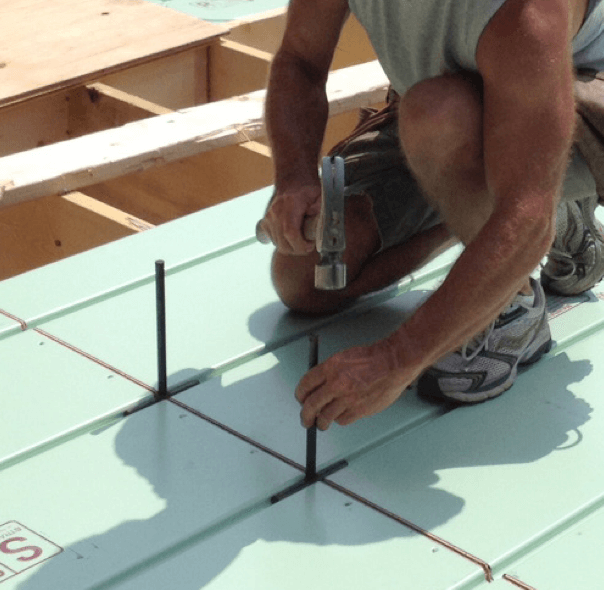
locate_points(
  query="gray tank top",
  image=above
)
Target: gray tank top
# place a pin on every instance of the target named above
(419, 39)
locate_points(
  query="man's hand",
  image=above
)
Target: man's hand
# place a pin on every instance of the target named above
(352, 384)
(289, 220)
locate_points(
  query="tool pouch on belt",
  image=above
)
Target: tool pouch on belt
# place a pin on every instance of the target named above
(370, 120)
(589, 132)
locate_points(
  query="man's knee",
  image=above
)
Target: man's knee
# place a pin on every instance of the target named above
(293, 279)
(294, 276)
(440, 120)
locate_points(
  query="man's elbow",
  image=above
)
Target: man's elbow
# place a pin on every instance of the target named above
(535, 228)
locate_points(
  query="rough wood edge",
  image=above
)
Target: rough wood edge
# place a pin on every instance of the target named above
(87, 160)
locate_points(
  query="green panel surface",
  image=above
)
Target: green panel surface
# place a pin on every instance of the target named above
(257, 398)
(100, 271)
(498, 584)
(49, 393)
(8, 326)
(219, 312)
(133, 493)
(494, 477)
(317, 539)
(221, 10)
(571, 560)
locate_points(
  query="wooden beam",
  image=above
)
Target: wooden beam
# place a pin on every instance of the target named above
(96, 107)
(49, 229)
(130, 222)
(175, 81)
(168, 192)
(263, 31)
(235, 69)
(145, 144)
(34, 123)
(257, 147)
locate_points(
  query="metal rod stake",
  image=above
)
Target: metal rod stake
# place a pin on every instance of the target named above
(311, 433)
(304, 483)
(160, 305)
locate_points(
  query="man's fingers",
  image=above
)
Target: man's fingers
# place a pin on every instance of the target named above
(309, 229)
(313, 406)
(331, 412)
(348, 417)
(309, 383)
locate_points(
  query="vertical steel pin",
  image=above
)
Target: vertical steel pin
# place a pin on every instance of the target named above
(160, 305)
(311, 433)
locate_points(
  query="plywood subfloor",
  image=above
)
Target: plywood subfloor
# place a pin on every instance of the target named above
(51, 45)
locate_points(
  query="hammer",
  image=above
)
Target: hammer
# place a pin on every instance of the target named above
(330, 238)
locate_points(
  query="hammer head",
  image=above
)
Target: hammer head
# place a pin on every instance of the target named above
(330, 273)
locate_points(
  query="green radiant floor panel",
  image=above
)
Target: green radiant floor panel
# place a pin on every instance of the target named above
(128, 495)
(257, 398)
(494, 477)
(221, 10)
(219, 311)
(570, 560)
(49, 393)
(317, 539)
(55, 288)
(8, 326)
(498, 584)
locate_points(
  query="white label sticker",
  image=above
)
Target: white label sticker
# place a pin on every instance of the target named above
(21, 548)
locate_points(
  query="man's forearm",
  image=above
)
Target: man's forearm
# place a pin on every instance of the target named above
(478, 287)
(296, 115)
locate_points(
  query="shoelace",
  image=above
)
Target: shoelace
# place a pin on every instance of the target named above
(481, 341)
(560, 256)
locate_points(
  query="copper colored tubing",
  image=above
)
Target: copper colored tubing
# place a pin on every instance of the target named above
(483, 564)
(16, 319)
(518, 583)
(94, 359)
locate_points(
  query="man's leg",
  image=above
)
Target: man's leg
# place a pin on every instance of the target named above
(390, 229)
(293, 276)
(441, 135)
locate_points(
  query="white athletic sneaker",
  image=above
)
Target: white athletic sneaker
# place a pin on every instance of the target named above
(486, 366)
(576, 261)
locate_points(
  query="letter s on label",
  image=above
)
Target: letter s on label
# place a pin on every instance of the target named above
(36, 551)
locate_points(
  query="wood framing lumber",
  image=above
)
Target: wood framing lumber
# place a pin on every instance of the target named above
(175, 81)
(51, 45)
(234, 69)
(96, 107)
(138, 146)
(54, 227)
(263, 31)
(164, 193)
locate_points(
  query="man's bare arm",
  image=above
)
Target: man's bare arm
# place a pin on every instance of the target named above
(296, 115)
(525, 61)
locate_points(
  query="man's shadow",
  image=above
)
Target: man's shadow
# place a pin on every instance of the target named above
(189, 543)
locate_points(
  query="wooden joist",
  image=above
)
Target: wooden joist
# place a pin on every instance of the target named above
(145, 144)
(118, 138)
